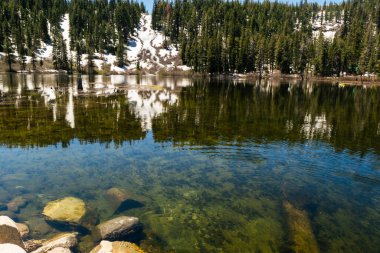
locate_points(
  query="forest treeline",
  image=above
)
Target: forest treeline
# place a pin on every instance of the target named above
(101, 26)
(214, 36)
(218, 36)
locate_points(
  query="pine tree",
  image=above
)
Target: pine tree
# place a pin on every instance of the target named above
(320, 61)
(368, 49)
(78, 54)
(120, 52)
(8, 48)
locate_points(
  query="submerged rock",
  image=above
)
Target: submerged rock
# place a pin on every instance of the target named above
(11, 248)
(23, 229)
(118, 200)
(68, 211)
(17, 203)
(115, 197)
(65, 240)
(117, 228)
(302, 236)
(9, 233)
(117, 247)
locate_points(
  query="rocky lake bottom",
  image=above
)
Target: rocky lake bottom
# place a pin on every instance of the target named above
(206, 165)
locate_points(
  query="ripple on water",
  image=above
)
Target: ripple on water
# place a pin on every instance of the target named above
(208, 173)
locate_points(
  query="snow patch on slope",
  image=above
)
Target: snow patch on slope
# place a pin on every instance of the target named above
(328, 27)
(146, 50)
(65, 26)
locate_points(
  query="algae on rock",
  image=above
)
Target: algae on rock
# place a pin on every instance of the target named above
(68, 210)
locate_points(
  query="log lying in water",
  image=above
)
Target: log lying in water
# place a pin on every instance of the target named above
(302, 234)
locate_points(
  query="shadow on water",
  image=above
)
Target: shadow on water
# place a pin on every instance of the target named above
(69, 228)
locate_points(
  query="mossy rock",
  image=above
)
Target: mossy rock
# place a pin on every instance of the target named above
(67, 211)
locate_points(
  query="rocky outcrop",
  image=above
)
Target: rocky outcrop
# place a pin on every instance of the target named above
(67, 211)
(65, 241)
(301, 232)
(9, 233)
(11, 248)
(116, 247)
(117, 228)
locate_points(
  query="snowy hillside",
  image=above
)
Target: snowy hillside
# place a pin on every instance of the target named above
(145, 50)
(328, 28)
(148, 51)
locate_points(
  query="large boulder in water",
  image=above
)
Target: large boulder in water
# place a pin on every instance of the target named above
(11, 248)
(65, 241)
(117, 228)
(67, 211)
(116, 247)
(9, 233)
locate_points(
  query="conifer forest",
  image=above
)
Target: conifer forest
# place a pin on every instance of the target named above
(213, 36)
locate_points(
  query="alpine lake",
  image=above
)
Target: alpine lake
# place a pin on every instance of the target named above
(210, 165)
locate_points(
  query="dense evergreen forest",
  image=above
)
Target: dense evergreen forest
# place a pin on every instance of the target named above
(102, 26)
(230, 36)
(214, 36)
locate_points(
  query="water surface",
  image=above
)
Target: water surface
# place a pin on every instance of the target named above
(209, 164)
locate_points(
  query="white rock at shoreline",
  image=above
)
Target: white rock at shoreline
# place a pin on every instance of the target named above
(9, 233)
(65, 240)
(11, 248)
(5, 220)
